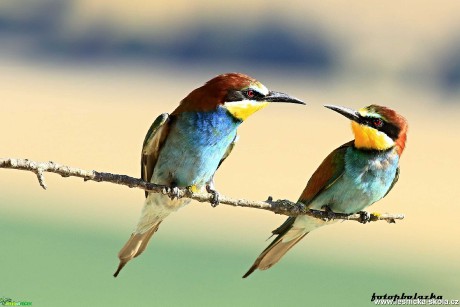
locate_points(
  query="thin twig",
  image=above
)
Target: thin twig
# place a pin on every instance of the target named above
(282, 206)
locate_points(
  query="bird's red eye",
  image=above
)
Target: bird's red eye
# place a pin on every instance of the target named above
(378, 122)
(250, 93)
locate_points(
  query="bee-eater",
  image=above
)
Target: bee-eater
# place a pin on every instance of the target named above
(351, 178)
(185, 148)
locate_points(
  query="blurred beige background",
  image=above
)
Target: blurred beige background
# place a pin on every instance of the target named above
(83, 102)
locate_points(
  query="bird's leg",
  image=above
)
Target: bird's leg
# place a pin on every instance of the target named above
(329, 213)
(364, 217)
(215, 195)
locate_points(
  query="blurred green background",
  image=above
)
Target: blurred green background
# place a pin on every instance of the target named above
(82, 80)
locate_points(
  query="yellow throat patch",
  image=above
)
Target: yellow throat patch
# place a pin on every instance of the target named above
(370, 138)
(243, 109)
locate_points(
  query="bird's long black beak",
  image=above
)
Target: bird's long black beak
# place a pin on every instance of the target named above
(281, 97)
(348, 113)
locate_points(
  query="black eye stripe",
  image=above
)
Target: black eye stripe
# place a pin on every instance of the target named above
(386, 127)
(234, 95)
(371, 121)
(252, 94)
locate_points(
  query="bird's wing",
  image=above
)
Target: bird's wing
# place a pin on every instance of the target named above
(394, 182)
(323, 178)
(229, 150)
(226, 154)
(331, 169)
(151, 147)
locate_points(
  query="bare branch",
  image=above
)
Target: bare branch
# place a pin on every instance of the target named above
(282, 206)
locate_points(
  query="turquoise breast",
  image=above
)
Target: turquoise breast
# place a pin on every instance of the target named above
(367, 178)
(194, 147)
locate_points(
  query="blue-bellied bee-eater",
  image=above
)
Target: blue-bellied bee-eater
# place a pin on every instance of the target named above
(351, 178)
(185, 148)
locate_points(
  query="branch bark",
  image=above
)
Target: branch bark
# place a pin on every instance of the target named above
(281, 206)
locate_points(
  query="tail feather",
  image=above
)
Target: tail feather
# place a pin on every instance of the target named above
(286, 239)
(136, 244)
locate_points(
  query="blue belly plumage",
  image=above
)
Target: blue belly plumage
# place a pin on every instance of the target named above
(196, 144)
(366, 179)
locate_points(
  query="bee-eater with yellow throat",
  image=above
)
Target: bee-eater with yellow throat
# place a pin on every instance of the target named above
(351, 178)
(185, 148)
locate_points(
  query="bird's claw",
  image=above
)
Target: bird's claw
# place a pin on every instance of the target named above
(215, 196)
(329, 213)
(173, 192)
(364, 217)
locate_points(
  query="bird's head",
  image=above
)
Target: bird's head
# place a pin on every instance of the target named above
(240, 94)
(376, 127)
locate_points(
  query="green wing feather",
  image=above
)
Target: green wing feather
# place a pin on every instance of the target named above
(331, 169)
(394, 182)
(228, 151)
(152, 145)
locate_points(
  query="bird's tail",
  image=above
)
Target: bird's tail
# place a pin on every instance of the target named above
(288, 234)
(156, 208)
(136, 244)
(287, 237)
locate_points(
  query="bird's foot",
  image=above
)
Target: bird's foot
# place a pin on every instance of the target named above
(329, 213)
(364, 217)
(215, 196)
(173, 192)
